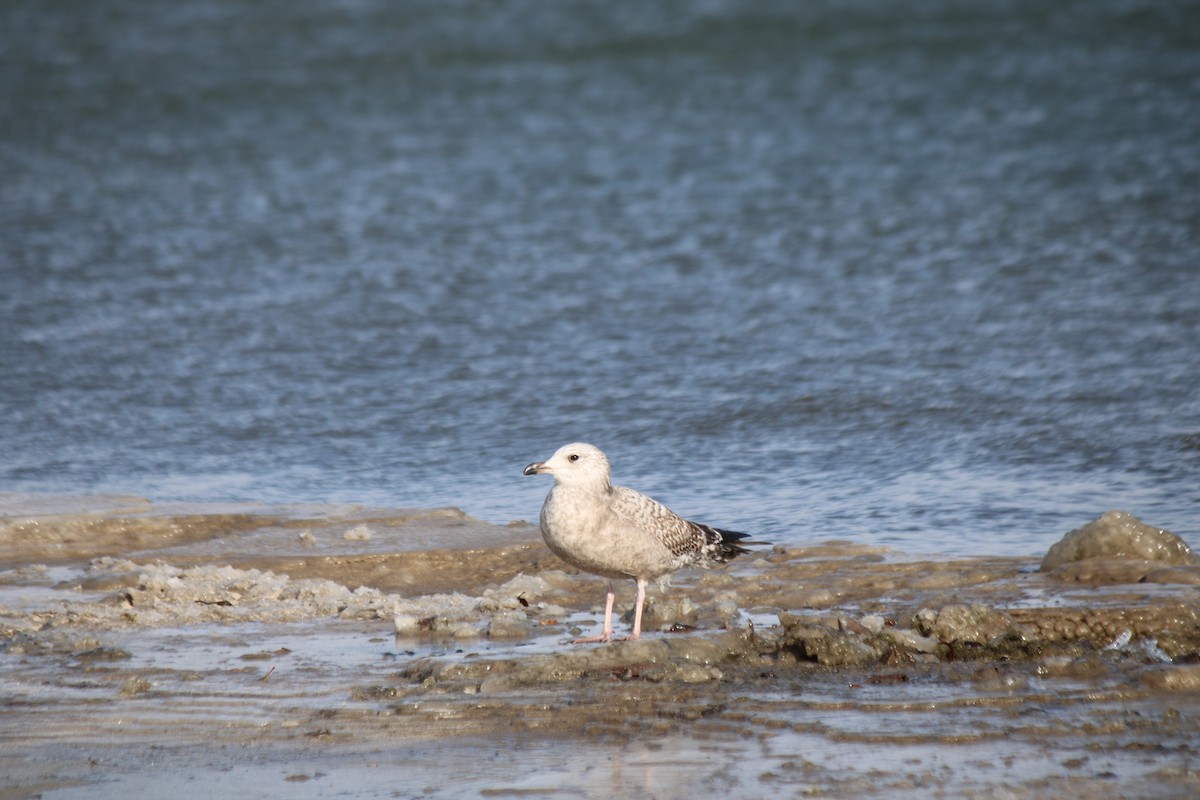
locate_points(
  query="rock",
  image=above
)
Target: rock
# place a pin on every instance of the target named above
(694, 673)
(1086, 667)
(510, 625)
(517, 593)
(407, 624)
(815, 598)
(550, 611)
(851, 625)
(359, 533)
(923, 620)
(666, 611)
(1187, 575)
(1175, 626)
(1099, 571)
(1179, 678)
(726, 610)
(977, 623)
(104, 653)
(832, 648)
(1119, 535)
(995, 678)
(135, 686)
(911, 640)
(706, 651)
(461, 629)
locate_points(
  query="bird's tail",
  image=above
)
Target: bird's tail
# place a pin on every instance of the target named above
(725, 545)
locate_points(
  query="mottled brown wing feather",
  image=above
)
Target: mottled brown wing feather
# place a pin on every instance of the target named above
(676, 533)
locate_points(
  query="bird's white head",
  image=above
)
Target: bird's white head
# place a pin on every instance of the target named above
(576, 464)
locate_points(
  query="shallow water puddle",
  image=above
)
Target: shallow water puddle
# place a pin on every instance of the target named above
(877, 767)
(38, 587)
(257, 647)
(318, 658)
(673, 767)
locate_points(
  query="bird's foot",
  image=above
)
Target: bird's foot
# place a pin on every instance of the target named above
(606, 637)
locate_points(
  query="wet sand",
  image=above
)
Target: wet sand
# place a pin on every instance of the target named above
(338, 651)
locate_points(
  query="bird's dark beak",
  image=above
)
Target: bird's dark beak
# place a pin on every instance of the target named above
(536, 468)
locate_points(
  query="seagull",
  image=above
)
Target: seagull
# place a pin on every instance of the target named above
(616, 532)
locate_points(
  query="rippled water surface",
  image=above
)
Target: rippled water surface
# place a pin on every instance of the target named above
(924, 274)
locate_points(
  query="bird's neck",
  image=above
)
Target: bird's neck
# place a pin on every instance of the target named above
(583, 489)
(596, 488)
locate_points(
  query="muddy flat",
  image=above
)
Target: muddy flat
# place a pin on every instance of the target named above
(351, 652)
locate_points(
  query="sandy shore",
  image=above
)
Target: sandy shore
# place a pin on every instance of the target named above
(314, 651)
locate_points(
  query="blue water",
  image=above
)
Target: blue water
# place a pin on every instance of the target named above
(921, 274)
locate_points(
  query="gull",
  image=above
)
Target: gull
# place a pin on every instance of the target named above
(616, 532)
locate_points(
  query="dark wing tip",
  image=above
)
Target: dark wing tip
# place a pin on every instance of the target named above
(724, 545)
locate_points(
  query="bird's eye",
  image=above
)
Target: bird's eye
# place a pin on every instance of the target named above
(573, 457)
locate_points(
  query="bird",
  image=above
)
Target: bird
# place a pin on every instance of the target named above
(619, 533)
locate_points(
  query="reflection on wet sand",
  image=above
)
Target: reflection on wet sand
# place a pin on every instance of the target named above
(311, 652)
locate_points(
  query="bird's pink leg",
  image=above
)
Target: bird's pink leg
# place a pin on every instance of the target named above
(608, 629)
(637, 610)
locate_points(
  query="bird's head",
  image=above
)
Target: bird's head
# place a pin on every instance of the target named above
(575, 464)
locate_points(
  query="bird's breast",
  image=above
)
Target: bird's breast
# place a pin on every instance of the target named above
(581, 528)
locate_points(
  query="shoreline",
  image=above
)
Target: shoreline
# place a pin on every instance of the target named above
(295, 655)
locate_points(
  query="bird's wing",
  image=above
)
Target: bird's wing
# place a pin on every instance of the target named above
(676, 533)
